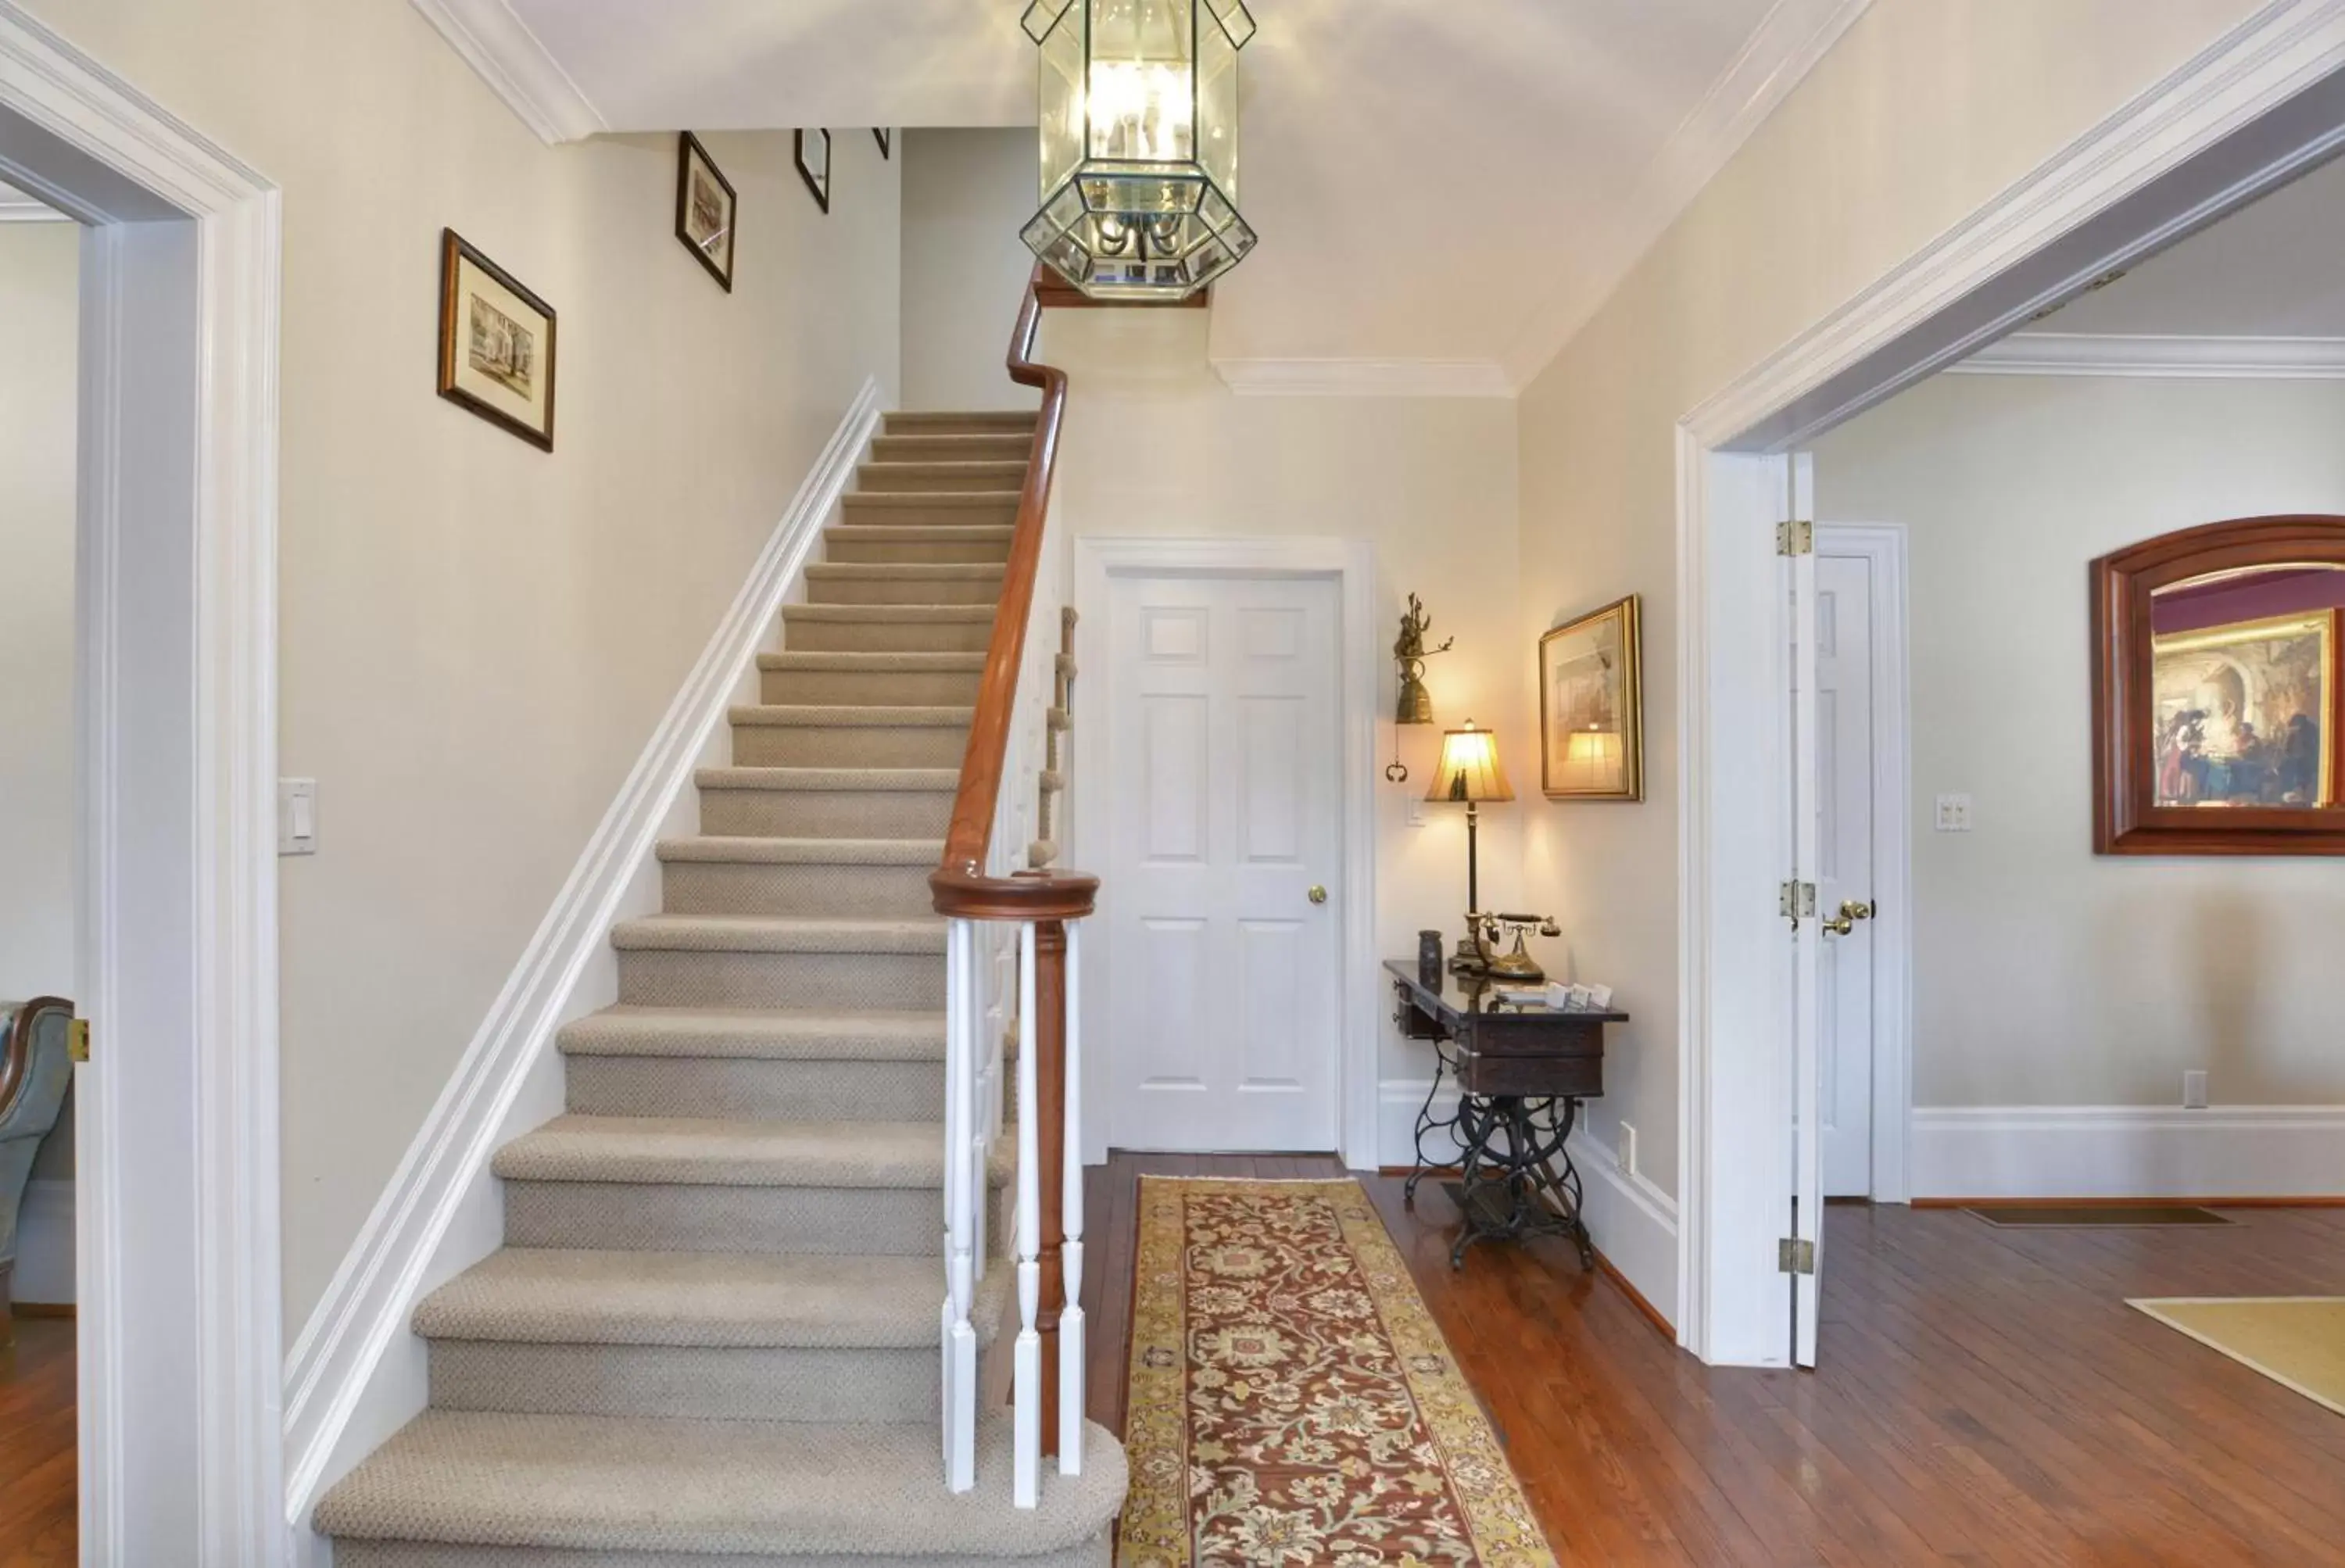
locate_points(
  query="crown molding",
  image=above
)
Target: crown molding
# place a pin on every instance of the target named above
(518, 68)
(1366, 378)
(2158, 356)
(1782, 49)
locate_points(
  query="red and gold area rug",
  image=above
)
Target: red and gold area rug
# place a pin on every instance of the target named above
(1291, 1401)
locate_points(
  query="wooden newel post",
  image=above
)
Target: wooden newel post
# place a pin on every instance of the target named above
(1051, 1117)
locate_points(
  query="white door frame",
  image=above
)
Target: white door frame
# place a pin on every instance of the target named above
(1352, 564)
(2262, 104)
(1882, 546)
(178, 575)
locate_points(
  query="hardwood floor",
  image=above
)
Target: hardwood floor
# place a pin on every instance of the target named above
(1985, 1396)
(37, 1522)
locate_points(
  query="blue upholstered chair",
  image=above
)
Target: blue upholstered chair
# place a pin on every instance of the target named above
(35, 1067)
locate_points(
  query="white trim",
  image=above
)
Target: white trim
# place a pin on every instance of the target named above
(517, 67)
(178, 572)
(1353, 562)
(2129, 1151)
(1364, 378)
(440, 1213)
(44, 1243)
(1631, 1221)
(2158, 356)
(2042, 240)
(1782, 49)
(16, 206)
(1883, 545)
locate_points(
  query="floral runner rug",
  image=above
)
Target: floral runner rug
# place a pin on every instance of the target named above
(1291, 1400)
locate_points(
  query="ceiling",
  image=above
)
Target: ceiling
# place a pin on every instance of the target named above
(1445, 191)
(2268, 270)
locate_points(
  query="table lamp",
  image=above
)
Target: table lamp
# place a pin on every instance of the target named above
(1469, 771)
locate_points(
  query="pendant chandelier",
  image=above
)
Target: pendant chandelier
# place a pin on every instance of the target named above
(1139, 102)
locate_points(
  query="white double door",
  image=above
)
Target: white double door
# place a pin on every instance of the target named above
(1221, 893)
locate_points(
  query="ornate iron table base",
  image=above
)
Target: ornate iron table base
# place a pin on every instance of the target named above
(1509, 1186)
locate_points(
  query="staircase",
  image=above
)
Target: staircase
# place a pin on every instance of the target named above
(711, 1339)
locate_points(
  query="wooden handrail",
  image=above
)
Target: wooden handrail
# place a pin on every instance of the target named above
(960, 884)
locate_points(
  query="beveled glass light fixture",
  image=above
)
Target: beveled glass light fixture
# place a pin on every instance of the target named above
(1139, 102)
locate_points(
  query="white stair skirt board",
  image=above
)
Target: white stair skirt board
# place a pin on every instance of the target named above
(1633, 1223)
(2129, 1151)
(45, 1244)
(356, 1375)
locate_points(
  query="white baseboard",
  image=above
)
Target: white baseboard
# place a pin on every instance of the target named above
(355, 1374)
(2128, 1151)
(1633, 1223)
(45, 1244)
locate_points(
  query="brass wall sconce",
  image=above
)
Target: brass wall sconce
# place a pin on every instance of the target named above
(1416, 703)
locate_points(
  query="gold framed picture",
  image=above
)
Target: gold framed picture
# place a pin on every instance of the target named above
(496, 343)
(1592, 707)
(705, 209)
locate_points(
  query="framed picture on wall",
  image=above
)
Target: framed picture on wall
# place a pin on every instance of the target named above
(496, 343)
(814, 165)
(1592, 707)
(705, 209)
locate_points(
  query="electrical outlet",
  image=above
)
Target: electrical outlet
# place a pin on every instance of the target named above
(2194, 1089)
(1624, 1149)
(296, 816)
(1953, 814)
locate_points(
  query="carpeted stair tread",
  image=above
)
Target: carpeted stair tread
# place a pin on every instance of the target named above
(956, 615)
(776, 933)
(731, 849)
(921, 533)
(905, 571)
(829, 778)
(756, 1034)
(849, 715)
(712, 1488)
(925, 663)
(549, 1296)
(690, 1151)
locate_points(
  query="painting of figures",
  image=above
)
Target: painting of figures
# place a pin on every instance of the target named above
(2242, 713)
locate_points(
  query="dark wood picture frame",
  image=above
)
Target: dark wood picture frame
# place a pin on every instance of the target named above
(689, 151)
(820, 186)
(456, 252)
(2126, 819)
(881, 134)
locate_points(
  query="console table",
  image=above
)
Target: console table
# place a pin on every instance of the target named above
(1521, 1070)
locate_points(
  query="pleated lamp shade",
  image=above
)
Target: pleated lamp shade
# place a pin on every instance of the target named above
(1470, 767)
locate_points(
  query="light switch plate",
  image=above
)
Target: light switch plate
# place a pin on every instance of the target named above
(1625, 1149)
(296, 816)
(1953, 814)
(2194, 1089)
(1417, 811)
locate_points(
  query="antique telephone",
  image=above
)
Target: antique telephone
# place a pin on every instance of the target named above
(1488, 933)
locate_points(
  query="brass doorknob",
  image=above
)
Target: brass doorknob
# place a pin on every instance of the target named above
(1851, 912)
(1317, 895)
(1840, 926)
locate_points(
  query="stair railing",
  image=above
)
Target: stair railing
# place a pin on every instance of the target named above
(1013, 932)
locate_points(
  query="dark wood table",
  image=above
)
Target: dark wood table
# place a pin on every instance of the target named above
(1522, 1069)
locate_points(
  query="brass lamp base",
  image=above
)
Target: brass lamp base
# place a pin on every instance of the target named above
(1469, 959)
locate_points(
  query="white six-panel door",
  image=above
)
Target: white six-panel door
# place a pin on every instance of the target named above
(1845, 773)
(1224, 807)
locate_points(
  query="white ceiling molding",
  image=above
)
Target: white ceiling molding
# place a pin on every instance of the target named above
(507, 55)
(2142, 354)
(1366, 378)
(1782, 49)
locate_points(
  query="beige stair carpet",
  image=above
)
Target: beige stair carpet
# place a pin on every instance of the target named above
(710, 1341)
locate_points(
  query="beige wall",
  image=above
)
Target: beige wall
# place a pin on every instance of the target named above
(2043, 973)
(966, 195)
(477, 637)
(39, 263)
(1156, 445)
(1920, 113)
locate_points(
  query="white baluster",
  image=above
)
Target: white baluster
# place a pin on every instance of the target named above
(1070, 1202)
(1026, 1368)
(961, 1020)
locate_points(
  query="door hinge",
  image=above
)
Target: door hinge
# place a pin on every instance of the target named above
(1795, 538)
(1797, 901)
(77, 1040)
(1793, 1255)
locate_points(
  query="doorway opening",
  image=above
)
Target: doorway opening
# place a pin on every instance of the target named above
(178, 1357)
